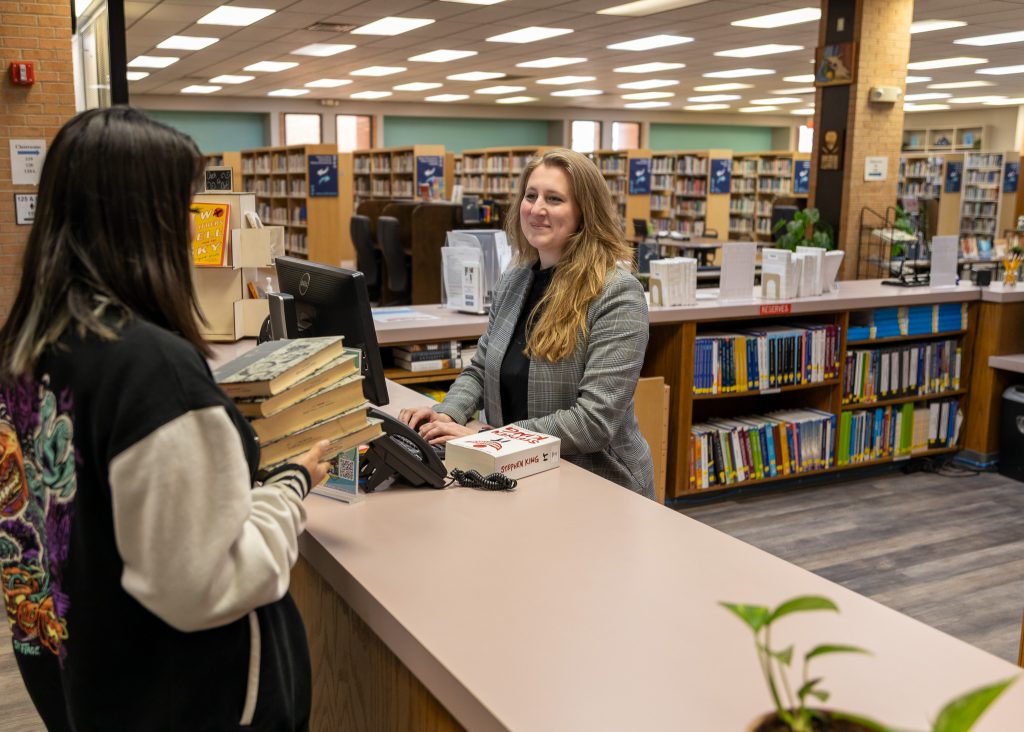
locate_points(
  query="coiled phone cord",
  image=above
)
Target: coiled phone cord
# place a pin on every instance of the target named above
(473, 479)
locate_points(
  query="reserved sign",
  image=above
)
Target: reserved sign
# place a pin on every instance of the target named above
(782, 308)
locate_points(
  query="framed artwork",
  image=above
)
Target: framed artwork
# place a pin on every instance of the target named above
(830, 151)
(834, 64)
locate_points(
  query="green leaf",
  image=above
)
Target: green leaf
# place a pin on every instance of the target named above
(832, 648)
(812, 214)
(808, 688)
(755, 616)
(784, 657)
(821, 696)
(778, 225)
(802, 603)
(961, 713)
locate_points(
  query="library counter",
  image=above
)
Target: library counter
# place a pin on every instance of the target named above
(572, 603)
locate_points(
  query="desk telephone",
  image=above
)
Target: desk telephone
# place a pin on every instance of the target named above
(401, 452)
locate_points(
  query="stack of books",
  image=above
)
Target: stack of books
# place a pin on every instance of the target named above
(298, 392)
(909, 370)
(429, 356)
(673, 281)
(914, 320)
(904, 430)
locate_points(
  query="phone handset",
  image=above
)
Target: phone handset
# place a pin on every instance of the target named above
(401, 452)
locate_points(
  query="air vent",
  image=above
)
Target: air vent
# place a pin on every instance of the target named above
(332, 27)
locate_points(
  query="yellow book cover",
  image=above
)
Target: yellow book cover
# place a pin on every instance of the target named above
(209, 234)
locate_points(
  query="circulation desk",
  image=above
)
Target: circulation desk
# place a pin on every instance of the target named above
(575, 604)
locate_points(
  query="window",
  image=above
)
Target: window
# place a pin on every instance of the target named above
(586, 135)
(301, 129)
(355, 132)
(806, 140)
(625, 135)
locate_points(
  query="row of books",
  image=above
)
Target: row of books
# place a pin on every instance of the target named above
(913, 320)
(790, 442)
(873, 434)
(298, 392)
(766, 358)
(429, 356)
(907, 370)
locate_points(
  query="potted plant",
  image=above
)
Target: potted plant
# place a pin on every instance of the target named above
(805, 229)
(792, 711)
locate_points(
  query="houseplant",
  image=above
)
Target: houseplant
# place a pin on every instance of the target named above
(805, 229)
(792, 713)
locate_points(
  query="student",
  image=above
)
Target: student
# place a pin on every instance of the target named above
(567, 333)
(145, 576)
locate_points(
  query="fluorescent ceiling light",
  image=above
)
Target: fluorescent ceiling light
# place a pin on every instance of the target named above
(704, 107)
(799, 79)
(924, 107)
(728, 86)
(946, 63)
(978, 100)
(925, 96)
(516, 100)
(391, 26)
(137, 75)
(650, 68)
(529, 35)
(648, 95)
(1004, 102)
(271, 66)
(777, 20)
(766, 49)
(231, 79)
(715, 98)
(378, 71)
(806, 112)
(648, 84)
(201, 89)
(795, 90)
(288, 92)
(923, 26)
(152, 62)
(370, 95)
(551, 62)
(328, 83)
(447, 97)
(650, 42)
(576, 93)
(647, 105)
(417, 86)
(323, 49)
(755, 110)
(991, 71)
(917, 79)
(960, 84)
(474, 2)
(499, 90)
(992, 40)
(234, 15)
(476, 76)
(558, 80)
(187, 43)
(779, 100)
(737, 73)
(442, 55)
(641, 8)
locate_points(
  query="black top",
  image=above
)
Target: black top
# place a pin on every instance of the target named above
(515, 367)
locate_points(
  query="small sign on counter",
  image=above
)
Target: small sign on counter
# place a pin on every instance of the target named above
(781, 308)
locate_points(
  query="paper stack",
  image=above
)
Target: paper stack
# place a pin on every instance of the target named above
(780, 274)
(673, 281)
(810, 280)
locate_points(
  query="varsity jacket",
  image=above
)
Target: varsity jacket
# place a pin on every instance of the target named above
(145, 576)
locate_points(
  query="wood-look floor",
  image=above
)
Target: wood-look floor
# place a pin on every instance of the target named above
(948, 551)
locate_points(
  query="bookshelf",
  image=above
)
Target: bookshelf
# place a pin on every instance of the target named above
(743, 196)
(945, 139)
(776, 176)
(614, 166)
(399, 172)
(982, 188)
(316, 227)
(681, 195)
(920, 176)
(924, 176)
(493, 172)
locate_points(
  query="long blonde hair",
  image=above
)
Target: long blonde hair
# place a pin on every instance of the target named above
(597, 247)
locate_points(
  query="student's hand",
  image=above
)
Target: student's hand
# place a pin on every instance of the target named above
(312, 461)
(438, 432)
(422, 415)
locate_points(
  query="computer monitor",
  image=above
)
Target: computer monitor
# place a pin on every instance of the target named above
(470, 209)
(331, 301)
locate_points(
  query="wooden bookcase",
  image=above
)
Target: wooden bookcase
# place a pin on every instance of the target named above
(775, 176)
(923, 176)
(231, 159)
(982, 191)
(743, 196)
(614, 166)
(316, 227)
(681, 197)
(493, 172)
(390, 172)
(945, 139)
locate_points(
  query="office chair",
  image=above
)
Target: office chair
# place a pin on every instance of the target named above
(367, 258)
(396, 262)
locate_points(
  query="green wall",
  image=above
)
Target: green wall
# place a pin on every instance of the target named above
(458, 134)
(701, 137)
(218, 131)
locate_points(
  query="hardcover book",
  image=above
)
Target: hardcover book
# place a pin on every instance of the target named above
(337, 370)
(272, 367)
(210, 238)
(338, 398)
(296, 443)
(514, 451)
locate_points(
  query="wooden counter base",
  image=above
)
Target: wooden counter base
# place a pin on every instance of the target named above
(358, 683)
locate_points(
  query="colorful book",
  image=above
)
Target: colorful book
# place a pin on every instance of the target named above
(210, 226)
(272, 367)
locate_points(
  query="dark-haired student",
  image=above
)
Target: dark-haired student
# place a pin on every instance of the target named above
(145, 574)
(567, 332)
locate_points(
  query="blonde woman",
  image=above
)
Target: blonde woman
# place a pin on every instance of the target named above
(567, 331)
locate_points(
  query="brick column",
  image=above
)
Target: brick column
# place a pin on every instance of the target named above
(881, 31)
(40, 33)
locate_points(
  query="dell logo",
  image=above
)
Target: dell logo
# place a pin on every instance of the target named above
(304, 283)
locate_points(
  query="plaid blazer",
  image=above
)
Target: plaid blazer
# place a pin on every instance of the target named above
(586, 400)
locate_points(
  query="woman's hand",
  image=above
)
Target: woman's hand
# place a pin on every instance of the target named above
(422, 415)
(312, 461)
(438, 432)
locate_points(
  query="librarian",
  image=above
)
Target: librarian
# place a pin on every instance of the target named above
(567, 333)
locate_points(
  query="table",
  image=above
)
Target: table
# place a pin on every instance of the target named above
(1014, 363)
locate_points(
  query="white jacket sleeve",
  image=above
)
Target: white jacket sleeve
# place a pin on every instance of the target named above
(201, 547)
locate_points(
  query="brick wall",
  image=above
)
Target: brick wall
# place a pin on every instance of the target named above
(40, 33)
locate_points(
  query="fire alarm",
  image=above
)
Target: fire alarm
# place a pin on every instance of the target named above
(23, 73)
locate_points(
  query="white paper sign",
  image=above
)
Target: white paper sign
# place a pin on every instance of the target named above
(944, 251)
(27, 161)
(876, 168)
(24, 208)
(737, 278)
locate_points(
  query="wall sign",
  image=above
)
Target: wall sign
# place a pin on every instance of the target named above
(802, 176)
(24, 208)
(830, 152)
(876, 168)
(954, 176)
(430, 176)
(1011, 177)
(721, 175)
(27, 161)
(639, 176)
(323, 175)
(218, 178)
